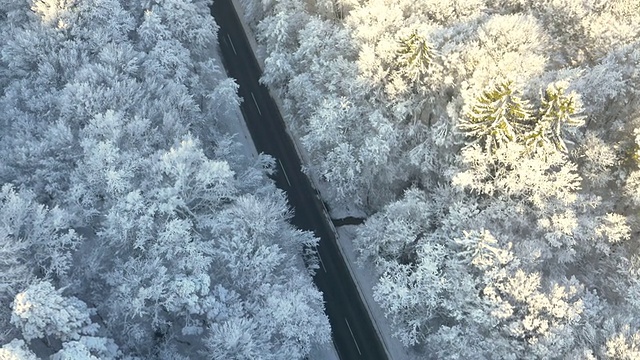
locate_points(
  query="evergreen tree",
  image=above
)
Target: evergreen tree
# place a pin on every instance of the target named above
(497, 117)
(414, 56)
(557, 111)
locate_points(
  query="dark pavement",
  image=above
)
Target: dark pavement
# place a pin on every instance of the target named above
(353, 332)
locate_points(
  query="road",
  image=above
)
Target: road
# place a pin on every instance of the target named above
(353, 333)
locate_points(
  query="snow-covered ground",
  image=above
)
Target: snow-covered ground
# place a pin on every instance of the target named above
(364, 276)
(235, 123)
(365, 279)
(325, 352)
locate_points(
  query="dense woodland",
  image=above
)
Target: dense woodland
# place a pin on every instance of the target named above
(131, 224)
(494, 145)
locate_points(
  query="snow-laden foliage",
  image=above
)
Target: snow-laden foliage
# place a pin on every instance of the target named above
(34, 241)
(41, 311)
(131, 225)
(496, 144)
(17, 350)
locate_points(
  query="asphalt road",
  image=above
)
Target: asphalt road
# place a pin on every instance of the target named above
(353, 332)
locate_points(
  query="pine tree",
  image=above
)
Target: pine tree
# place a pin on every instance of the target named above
(556, 111)
(497, 117)
(415, 56)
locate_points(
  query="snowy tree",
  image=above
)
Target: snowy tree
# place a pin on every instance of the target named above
(500, 116)
(101, 99)
(36, 240)
(514, 122)
(41, 311)
(188, 22)
(16, 270)
(236, 338)
(165, 237)
(525, 311)
(16, 350)
(415, 55)
(497, 117)
(624, 345)
(88, 348)
(556, 111)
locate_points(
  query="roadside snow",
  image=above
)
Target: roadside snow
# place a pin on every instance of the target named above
(365, 279)
(234, 124)
(324, 352)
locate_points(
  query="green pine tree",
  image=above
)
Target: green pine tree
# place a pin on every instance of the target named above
(557, 110)
(414, 56)
(497, 117)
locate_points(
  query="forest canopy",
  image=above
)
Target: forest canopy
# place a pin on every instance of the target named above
(132, 224)
(494, 146)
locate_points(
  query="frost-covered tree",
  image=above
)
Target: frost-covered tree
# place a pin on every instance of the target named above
(34, 241)
(414, 55)
(42, 312)
(514, 122)
(17, 350)
(557, 111)
(498, 117)
(430, 285)
(100, 101)
(187, 228)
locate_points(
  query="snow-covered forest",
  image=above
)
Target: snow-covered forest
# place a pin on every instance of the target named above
(494, 146)
(132, 225)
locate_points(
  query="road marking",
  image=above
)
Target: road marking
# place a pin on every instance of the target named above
(353, 337)
(284, 172)
(321, 262)
(231, 42)
(255, 102)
